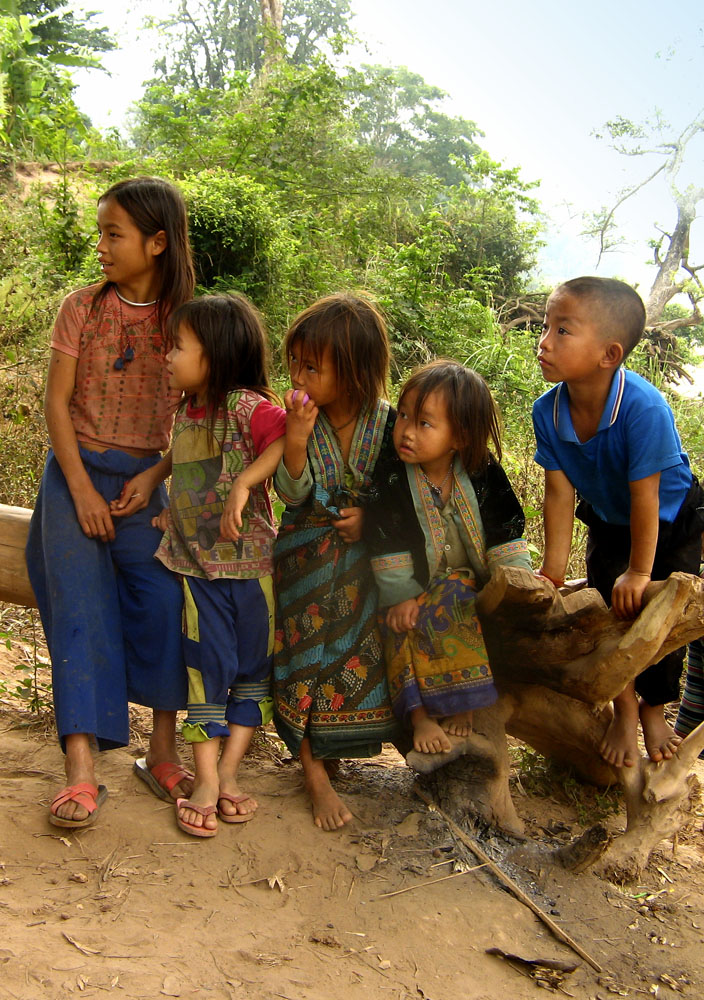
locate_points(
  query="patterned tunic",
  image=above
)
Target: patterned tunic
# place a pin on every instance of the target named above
(329, 676)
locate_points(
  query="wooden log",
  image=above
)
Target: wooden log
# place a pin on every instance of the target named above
(15, 587)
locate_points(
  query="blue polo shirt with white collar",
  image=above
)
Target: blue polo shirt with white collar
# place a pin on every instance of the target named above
(636, 438)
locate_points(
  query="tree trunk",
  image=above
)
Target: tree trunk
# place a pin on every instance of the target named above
(558, 658)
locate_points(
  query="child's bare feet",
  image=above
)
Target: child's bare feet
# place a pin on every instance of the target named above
(458, 725)
(660, 740)
(428, 737)
(619, 746)
(329, 811)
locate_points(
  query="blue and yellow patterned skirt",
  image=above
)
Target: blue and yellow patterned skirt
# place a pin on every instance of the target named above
(442, 663)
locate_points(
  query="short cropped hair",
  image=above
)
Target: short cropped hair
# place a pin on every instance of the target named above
(618, 308)
(354, 331)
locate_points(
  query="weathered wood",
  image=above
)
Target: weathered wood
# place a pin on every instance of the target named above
(15, 587)
(558, 659)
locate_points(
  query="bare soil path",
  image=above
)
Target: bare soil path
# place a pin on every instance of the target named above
(275, 908)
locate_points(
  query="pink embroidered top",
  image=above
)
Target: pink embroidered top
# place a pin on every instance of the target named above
(129, 407)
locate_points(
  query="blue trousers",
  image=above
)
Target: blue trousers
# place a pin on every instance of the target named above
(228, 644)
(111, 612)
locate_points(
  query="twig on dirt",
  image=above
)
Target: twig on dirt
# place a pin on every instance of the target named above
(81, 947)
(351, 887)
(432, 881)
(508, 882)
(665, 876)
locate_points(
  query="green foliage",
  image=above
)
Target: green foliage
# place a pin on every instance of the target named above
(206, 43)
(30, 686)
(236, 231)
(38, 40)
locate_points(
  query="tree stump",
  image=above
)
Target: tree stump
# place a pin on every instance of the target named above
(558, 658)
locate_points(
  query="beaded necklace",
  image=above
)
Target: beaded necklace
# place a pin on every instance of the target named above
(126, 345)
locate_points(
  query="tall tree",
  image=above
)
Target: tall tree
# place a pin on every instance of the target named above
(207, 41)
(666, 155)
(39, 41)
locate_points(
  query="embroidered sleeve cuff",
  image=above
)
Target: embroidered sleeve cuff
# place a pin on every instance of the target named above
(292, 491)
(394, 578)
(513, 553)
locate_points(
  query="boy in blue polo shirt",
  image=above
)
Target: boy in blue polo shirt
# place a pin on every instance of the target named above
(609, 435)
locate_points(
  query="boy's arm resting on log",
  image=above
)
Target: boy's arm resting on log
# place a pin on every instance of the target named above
(627, 595)
(558, 513)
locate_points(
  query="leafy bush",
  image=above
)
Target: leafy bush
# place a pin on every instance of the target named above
(237, 232)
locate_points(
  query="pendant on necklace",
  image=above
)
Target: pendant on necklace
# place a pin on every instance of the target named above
(125, 358)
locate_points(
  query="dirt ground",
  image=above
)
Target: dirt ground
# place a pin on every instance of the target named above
(277, 909)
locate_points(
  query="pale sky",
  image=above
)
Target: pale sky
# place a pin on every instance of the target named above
(536, 78)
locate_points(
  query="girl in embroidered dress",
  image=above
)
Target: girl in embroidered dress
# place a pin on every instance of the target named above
(442, 514)
(111, 613)
(330, 691)
(227, 441)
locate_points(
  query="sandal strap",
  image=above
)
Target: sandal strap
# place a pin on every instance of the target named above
(201, 810)
(169, 774)
(84, 794)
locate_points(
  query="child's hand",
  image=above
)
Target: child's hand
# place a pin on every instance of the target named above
(403, 617)
(349, 523)
(135, 495)
(163, 520)
(93, 515)
(300, 416)
(627, 595)
(231, 520)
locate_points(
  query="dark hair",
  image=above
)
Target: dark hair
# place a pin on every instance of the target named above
(154, 205)
(354, 331)
(471, 409)
(619, 310)
(233, 337)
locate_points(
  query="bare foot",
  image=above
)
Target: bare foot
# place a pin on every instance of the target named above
(204, 794)
(660, 740)
(428, 737)
(619, 746)
(78, 765)
(458, 725)
(329, 811)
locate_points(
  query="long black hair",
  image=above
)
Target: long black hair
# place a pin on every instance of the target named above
(232, 334)
(155, 205)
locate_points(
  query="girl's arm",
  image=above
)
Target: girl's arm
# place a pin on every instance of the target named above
(558, 514)
(627, 594)
(261, 469)
(92, 511)
(300, 420)
(137, 492)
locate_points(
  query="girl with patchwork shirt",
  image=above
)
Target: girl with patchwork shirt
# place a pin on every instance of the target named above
(442, 514)
(219, 535)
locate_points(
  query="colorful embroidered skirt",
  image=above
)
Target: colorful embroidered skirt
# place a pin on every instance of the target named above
(329, 676)
(442, 663)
